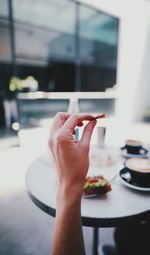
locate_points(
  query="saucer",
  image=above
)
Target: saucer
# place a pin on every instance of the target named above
(128, 181)
(124, 153)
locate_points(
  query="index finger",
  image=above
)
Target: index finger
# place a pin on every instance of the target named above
(58, 122)
(99, 116)
(74, 119)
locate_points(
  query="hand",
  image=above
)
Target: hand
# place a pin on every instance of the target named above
(72, 162)
(70, 157)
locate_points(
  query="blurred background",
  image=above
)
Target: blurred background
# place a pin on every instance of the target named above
(61, 55)
(56, 46)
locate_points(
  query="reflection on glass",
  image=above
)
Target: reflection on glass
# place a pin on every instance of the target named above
(4, 8)
(51, 14)
(98, 49)
(5, 51)
(61, 45)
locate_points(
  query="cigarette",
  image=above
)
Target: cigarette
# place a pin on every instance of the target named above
(99, 116)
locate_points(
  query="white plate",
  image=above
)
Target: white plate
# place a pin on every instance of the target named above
(132, 186)
(89, 196)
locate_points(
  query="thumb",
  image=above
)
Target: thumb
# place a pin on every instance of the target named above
(87, 132)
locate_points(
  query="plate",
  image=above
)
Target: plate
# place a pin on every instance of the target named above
(128, 155)
(89, 196)
(127, 180)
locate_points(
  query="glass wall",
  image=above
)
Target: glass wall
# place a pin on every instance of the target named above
(98, 49)
(64, 45)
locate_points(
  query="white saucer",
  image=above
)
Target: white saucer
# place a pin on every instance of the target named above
(132, 186)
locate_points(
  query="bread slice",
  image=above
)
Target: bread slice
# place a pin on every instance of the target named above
(96, 185)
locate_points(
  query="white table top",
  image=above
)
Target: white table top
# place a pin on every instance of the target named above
(120, 205)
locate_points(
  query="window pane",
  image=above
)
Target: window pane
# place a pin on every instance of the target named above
(98, 49)
(47, 30)
(3, 8)
(4, 32)
(5, 52)
(52, 14)
(45, 41)
(49, 46)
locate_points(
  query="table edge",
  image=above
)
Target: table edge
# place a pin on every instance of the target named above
(95, 222)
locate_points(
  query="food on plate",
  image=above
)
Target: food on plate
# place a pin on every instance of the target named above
(96, 185)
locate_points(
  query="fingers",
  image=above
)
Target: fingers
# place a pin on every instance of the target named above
(87, 132)
(66, 122)
(59, 120)
(76, 120)
(80, 124)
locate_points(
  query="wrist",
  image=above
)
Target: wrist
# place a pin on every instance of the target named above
(70, 185)
(70, 190)
(69, 194)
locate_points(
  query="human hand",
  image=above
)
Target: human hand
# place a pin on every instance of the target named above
(71, 158)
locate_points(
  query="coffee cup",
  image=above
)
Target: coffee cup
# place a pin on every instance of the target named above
(139, 169)
(134, 147)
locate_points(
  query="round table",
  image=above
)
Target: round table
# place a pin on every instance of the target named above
(120, 206)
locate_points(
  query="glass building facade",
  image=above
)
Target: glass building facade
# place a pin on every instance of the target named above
(65, 45)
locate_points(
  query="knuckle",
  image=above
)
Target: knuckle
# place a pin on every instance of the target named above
(74, 116)
(59, 138)
(60, 114)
